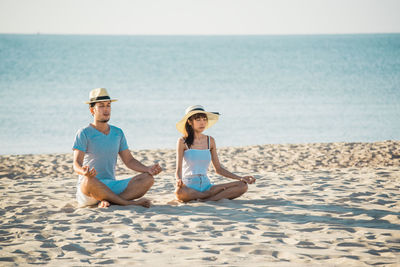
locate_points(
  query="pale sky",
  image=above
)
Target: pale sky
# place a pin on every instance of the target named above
(199, 16)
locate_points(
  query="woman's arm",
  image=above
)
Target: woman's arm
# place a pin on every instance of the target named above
(222, 171)
(180, 148)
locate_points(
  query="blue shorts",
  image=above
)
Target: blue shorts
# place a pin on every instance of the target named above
(117, 186)
(198, 182)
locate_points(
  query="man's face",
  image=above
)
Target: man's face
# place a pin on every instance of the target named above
(101, 111)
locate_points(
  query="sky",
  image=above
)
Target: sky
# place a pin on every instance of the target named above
(199, 17)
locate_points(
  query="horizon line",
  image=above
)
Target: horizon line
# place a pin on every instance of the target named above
(203, 34)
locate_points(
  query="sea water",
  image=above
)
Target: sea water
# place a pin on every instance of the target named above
(269, 89)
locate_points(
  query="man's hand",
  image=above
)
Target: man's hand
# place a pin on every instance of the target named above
(87, 172)
(154, 169)
(248, 179)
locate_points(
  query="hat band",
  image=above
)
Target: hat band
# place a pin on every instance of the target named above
(99, 98)
(202, 109)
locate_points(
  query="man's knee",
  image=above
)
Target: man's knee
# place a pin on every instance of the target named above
(243, 187)
(149, 180)
(86, 185)
(145, 180)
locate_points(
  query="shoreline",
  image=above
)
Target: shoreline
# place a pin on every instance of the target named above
(271, 157)
(219, 147)
(335, 204)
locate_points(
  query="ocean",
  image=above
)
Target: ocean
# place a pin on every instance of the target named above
(269, 89)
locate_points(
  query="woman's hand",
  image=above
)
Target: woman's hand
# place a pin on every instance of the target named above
(179, 183)
(154, 169)
(248, 179)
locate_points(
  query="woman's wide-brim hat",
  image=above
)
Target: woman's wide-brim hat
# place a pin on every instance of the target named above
(99, 95)
(190, 111)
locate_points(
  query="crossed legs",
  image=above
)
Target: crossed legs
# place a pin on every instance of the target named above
(229, 191)
(140, 184)
(137, 187)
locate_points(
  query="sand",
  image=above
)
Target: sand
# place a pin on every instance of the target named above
(333, 204)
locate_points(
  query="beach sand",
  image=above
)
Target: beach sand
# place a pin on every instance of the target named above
(331, 204)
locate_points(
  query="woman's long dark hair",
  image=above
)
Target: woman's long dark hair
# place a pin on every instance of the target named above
(189, 130)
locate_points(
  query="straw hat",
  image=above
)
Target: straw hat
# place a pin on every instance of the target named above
(99, 95)
(190, 111)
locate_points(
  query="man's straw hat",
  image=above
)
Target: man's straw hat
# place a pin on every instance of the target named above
(190, 111)
(99, 95)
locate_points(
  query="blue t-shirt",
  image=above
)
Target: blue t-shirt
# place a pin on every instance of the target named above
(101, 151)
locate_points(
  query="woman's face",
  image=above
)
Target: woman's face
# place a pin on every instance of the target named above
(199, 123)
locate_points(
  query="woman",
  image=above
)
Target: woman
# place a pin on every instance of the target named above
(195, 151)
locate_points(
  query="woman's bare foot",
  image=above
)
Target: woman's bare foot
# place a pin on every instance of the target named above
(144, 202)
(103, 204)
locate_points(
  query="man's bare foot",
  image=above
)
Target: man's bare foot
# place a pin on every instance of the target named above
(144, 202)
(103, 204)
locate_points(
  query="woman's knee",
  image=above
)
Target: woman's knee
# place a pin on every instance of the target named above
(182, 195)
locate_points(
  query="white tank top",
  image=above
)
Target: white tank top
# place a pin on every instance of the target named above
(196, 161)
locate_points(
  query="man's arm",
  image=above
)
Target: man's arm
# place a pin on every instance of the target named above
(133, 164)
(78, 161)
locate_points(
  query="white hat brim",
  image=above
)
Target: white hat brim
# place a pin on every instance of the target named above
(212, 119)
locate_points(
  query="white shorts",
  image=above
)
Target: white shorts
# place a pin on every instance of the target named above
(117, 186)
(198, 182)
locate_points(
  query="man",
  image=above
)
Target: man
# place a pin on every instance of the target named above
(96, 149)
